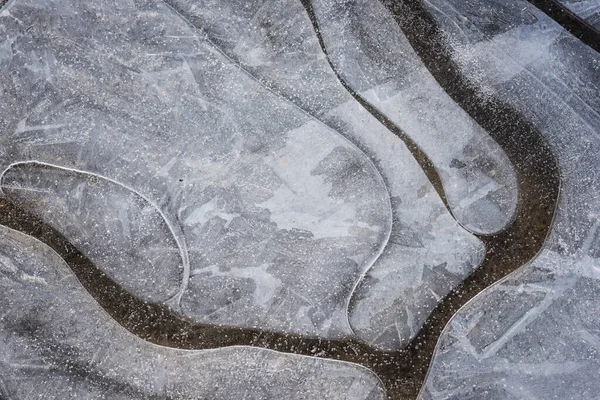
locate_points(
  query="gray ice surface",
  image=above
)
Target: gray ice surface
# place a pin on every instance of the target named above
(205, 156)
(536, 334)
(125, 235)
(58, 343)
(375, 59)
(587, 10)
(274, 216)
(283, 196)
(427, 253)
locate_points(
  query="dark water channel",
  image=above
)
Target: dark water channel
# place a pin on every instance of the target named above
(571, 22)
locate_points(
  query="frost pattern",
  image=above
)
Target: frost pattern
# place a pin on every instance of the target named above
(58, 343)
(279, 213)
(535, 334)
(427, 253)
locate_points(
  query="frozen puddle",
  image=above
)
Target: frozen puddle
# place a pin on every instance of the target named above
(216, 182)
(58, 343)
(277, 209)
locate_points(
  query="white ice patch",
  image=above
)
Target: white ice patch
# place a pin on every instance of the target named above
(293, 203)
(207, 211)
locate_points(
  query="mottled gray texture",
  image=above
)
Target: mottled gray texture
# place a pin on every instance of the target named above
(235, 140)
(587, 10)
(428, 253)
(205, 156)
(535, 335)
(280, 215)
(58, 343)
(372, 55)
(122, 232)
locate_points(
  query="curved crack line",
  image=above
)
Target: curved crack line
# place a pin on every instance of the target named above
(181, 14)
(535, 165)
(571, 22)
(174, 301)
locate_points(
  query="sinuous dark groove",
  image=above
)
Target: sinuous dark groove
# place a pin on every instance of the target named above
(533, 160)
(535, 165)
(158, 324)
(418, 154)
(402, 372)
(577, 26)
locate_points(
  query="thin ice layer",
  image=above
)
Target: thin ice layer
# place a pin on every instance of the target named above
(587, 10)
(125, 235)
(58, 343)
(535, 335)
(374, 58)
(280, 214)
(428, 253)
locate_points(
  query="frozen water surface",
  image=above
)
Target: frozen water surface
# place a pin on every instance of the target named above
(280, 220)
(371, 54)
(276, 215)
(307, 176)
(427, 253)
(121, 231)
(534, 335)
(58, 343)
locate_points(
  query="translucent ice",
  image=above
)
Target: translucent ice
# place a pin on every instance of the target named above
(427, 253)
(280, 214)
(124, 234)
(58, 343)
(375, 59)
(534, 335)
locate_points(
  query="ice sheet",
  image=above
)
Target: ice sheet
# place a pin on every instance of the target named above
(428, 253)
(374, 58)
(58, 343)
(278, 214)
(535, 334)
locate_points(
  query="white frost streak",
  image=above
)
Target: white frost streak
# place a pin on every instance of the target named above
(292, 205)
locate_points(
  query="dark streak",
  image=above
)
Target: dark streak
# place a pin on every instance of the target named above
(419, 155)
(577, 26)
(158, 324)
(533, 160)
(537, 178)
